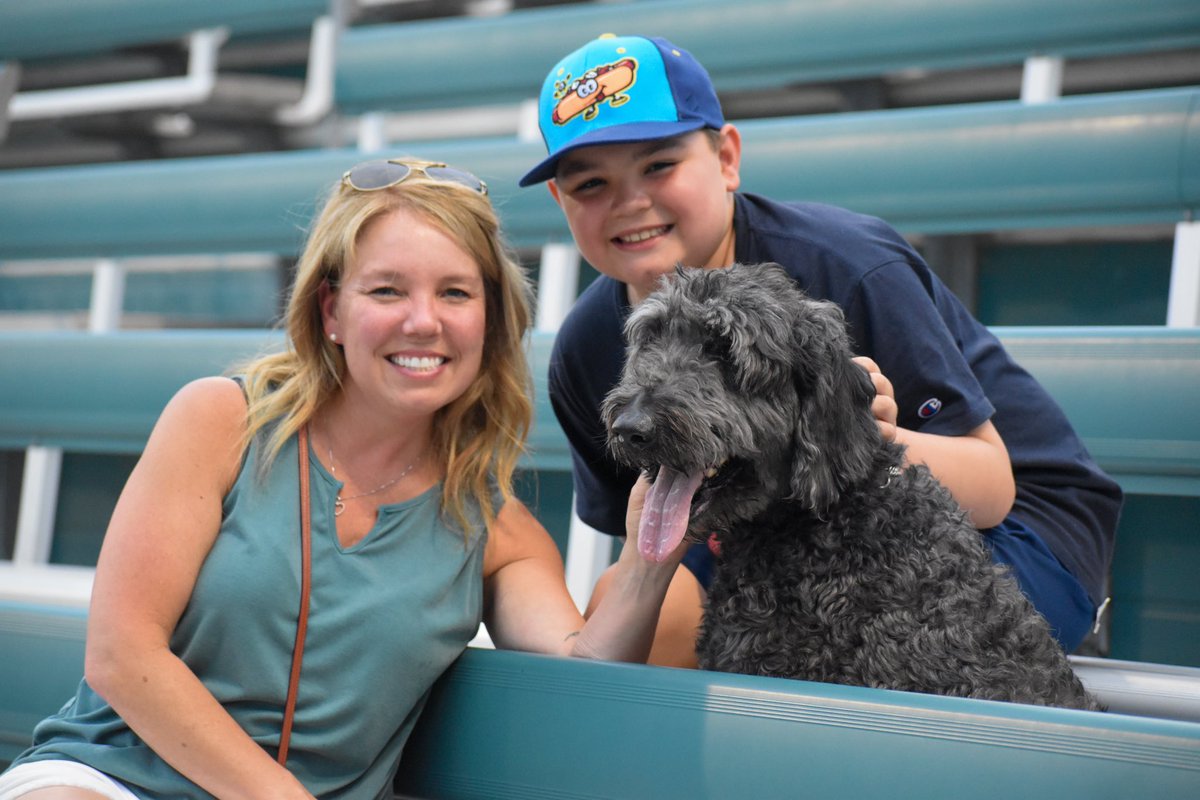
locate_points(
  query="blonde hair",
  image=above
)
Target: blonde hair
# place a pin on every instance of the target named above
(478, 437)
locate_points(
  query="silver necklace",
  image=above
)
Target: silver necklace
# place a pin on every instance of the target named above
(339, 505)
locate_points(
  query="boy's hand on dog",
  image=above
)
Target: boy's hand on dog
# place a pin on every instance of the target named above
(884, 405)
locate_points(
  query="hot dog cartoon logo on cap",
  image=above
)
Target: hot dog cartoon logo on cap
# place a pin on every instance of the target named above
(583, 95)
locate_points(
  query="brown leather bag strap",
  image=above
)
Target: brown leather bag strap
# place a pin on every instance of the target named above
(305, 581)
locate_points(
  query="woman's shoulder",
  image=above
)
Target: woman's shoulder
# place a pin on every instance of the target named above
(217, 398)
(206, 417)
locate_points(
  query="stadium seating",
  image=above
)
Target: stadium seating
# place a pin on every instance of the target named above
(516, 725)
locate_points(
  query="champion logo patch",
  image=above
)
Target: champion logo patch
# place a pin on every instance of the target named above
(929, 408)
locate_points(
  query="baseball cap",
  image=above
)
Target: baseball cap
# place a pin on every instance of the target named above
(618, 89)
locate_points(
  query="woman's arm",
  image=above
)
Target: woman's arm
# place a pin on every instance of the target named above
(974, 467)
(164, 524)
(527, 606)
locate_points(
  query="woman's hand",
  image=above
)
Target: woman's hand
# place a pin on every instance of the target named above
(527, 606)
(633, 511)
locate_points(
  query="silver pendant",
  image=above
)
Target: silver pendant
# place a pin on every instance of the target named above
(338, 507)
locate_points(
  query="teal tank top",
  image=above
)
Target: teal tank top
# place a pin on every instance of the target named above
(387, 617)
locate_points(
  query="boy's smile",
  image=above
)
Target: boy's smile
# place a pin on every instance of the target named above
(638, 237)
(638, 209)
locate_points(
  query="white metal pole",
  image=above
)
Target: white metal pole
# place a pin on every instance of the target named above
(1183, 301)
(558, 282)
(108, 296)
(1041, 80)
(372, 132)
(39, 502)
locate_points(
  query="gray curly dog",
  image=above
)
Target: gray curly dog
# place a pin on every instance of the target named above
(836, 564)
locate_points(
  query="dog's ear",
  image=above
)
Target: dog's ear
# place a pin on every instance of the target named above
(835, 435)
(746, 330)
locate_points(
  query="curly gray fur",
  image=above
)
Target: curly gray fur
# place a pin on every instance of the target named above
(833, 567)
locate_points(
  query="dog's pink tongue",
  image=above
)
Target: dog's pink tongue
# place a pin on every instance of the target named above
(665, 514)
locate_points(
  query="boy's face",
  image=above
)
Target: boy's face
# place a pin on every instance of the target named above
(638, 209)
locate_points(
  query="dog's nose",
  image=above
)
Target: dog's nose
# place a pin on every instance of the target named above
(633, 426)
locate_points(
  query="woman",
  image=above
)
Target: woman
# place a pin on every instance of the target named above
(406, 371)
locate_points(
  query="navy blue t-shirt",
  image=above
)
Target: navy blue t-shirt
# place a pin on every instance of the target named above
(949, 372)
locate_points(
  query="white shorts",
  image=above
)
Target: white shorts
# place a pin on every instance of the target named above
(31, 775)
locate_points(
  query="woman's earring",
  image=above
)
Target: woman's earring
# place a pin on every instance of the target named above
(333, 337)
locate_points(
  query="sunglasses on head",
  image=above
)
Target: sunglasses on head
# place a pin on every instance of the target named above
(371, 176)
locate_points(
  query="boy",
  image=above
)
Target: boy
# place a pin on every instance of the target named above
(646, 171)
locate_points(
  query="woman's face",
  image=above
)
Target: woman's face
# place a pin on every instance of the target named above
(410, 316)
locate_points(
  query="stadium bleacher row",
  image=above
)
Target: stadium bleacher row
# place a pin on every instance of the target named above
(1044, 157)
(986, 166)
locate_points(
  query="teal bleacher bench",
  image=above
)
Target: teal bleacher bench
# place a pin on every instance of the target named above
(104, 393)
(1125, 158)
(515, 725)
(1131, 395)
(763, 44)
